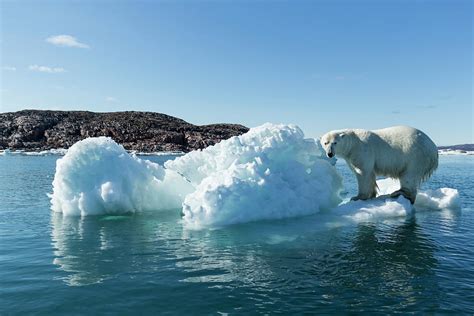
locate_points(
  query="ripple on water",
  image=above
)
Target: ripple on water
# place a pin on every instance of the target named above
(144, 263)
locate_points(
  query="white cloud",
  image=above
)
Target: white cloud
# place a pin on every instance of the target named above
(51, 70)
(66, 41)
(111, 99)
(9, 68)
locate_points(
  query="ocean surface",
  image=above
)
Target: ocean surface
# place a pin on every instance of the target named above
(148, 263)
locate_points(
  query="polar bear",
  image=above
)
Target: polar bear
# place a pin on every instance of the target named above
(399, 152)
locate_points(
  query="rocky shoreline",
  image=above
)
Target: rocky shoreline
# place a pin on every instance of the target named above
(38, 130)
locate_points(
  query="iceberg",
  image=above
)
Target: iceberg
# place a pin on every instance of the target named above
(270, 172)
(97, 176)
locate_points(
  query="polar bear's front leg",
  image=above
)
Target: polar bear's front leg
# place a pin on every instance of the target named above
(367, 186)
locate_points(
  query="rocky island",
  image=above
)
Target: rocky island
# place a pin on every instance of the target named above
(34, 130)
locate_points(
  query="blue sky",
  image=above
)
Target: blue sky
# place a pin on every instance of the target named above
(322, 65)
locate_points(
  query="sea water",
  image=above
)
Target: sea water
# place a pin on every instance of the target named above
(148, 262)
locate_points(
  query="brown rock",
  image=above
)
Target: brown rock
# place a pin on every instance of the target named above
(141, 131)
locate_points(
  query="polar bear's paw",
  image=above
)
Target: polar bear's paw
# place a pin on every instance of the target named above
(405, 193)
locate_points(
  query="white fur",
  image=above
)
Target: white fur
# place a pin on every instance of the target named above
(399, 152)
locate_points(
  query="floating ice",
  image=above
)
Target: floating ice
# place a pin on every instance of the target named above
(438, 199)
(63, 151)
(450, 152)
(385, 207)
(270, 172)
(425, 199)
(156, 153)
(97, 176)
(49, 152)
(375, 209)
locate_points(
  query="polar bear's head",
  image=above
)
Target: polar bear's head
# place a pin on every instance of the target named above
(334, 143)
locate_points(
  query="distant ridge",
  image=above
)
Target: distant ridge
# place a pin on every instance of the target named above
(462, 147)
(140, 131)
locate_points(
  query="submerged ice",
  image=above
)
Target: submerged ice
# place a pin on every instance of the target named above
(270, 172)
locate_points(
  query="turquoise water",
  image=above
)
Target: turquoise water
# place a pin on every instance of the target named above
(147, 263)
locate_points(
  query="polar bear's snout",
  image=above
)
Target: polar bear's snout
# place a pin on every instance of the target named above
(330, 152)
(329, 143)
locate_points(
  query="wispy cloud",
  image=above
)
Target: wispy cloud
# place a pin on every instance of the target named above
(9, 68)
(428, 107)
(66, 41)
(339, 76)
(446, 97)
(396, 112)
(51, 70)
(111, 99)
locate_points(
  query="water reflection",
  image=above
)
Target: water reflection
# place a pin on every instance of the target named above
(396, 262)
(92, 249)
(450, 221)
(392, 262)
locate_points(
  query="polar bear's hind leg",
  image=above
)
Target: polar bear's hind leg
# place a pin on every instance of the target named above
(408, 187)
(407, 194)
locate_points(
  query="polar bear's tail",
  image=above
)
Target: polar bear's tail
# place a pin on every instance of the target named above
(432, 168)
(430, 153)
